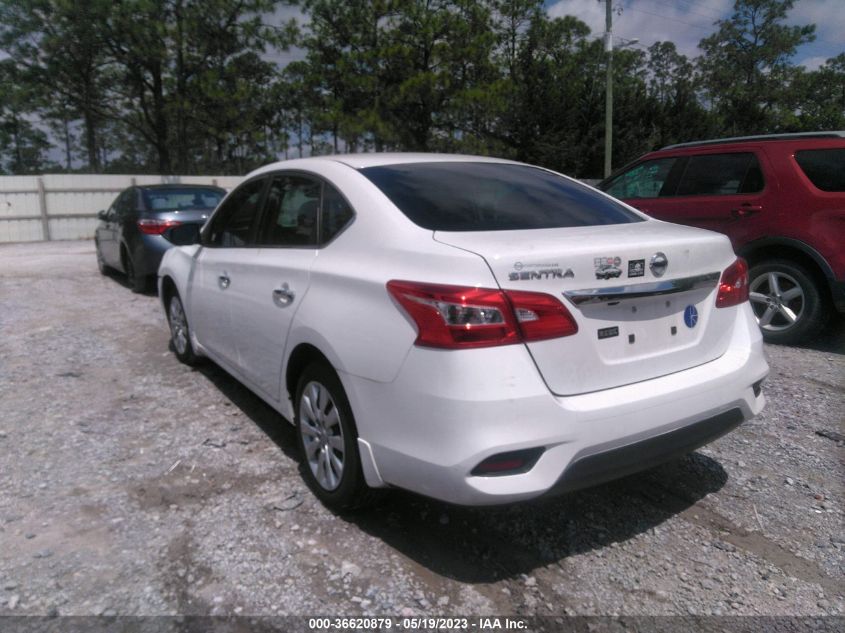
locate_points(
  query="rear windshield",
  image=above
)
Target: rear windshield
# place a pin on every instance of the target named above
(181, 198)
(824, 167)
(466, 196)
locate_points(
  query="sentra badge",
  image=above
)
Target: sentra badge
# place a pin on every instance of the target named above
(527, 272)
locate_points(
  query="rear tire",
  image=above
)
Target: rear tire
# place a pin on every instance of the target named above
(180, 332)
(328, 441)
(137, 283)
(788, 302)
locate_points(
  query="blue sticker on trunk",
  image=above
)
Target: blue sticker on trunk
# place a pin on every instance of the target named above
(690, 316)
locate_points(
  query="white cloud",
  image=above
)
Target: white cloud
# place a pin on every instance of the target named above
(813, 63)
(686, 22)
(829, 18)
(683, 22)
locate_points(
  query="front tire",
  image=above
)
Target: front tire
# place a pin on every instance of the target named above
(180, 332)
(788, 302)
(328, 440)
(104, 268)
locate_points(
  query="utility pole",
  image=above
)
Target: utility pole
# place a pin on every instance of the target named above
(608, 103)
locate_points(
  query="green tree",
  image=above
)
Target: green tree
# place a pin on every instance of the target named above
(58, 46)
(23, 147)
(820, 97)
(746, 67)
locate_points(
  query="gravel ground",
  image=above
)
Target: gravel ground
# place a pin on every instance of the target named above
(131, 484)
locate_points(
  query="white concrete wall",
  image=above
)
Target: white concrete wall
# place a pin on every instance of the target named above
(75, 198)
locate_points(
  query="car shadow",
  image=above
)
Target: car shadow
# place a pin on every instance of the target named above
(482, 545)
(832, 339)
(121, 280)
(486, 544)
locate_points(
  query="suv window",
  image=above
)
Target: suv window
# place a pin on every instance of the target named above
(291, 211)
(721, 175)
(475, 196)
(234, 221)
(646, 180)
(824, 167)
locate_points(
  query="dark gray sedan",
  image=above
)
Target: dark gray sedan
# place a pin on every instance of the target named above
(135, 231)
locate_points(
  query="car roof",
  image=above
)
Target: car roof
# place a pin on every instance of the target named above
(174, 185)
(377, 159)
(760, 137)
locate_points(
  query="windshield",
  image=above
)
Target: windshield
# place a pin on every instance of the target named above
(476, 196)
(174, 199)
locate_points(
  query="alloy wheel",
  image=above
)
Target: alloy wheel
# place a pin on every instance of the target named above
(777, 300)
(322, 435)
(178, 326)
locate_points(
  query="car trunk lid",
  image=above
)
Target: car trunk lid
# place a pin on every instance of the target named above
(634, 322)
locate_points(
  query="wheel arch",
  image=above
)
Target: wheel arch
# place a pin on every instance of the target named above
(795, 250)
(168, 289)
(303, 355)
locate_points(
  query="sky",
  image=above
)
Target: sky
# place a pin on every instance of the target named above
(686, 22)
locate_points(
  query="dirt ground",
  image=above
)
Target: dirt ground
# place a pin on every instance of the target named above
(133, 485)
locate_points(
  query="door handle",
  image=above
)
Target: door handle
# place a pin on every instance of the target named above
(223, 281)
(283, 296)
(746, 210)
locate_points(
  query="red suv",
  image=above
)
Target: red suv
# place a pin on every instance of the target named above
(781, 201)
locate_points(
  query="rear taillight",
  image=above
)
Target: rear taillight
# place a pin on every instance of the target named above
(156, 227)
(454, 317)
(733, 286)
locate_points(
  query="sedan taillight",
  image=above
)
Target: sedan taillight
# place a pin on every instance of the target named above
(156, 227)
(733, 286)
(455, 317)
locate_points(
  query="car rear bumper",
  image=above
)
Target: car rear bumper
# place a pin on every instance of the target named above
(428, 434)
(147, 253)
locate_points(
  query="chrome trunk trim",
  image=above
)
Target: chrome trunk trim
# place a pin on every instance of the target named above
(636, 291)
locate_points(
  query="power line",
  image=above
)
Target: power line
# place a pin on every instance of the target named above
(666, 17)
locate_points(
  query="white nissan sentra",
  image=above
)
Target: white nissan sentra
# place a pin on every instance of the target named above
(476, 330)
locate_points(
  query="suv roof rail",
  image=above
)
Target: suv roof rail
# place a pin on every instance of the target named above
(761, 137)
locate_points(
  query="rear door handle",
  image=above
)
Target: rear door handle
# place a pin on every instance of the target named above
(283, 296)
(746, 210)
(223, 281)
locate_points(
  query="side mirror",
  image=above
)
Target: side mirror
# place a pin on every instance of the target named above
(185, 234)
(102, 215)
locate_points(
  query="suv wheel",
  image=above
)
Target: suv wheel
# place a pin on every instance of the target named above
(787, 301)
(328, 440)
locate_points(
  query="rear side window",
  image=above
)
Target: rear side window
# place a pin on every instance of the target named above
(721, 175)
(824, 167)
(293, 204)
(233, 224)
(467, 196)
(646, 180)
(336, 213)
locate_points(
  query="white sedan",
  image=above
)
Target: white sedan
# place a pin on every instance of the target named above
(476, 330)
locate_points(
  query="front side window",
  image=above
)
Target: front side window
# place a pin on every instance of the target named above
(234, 222)
(721, 175)
(645, 180)
(291, 212)
(478, 196)
(824, 167)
